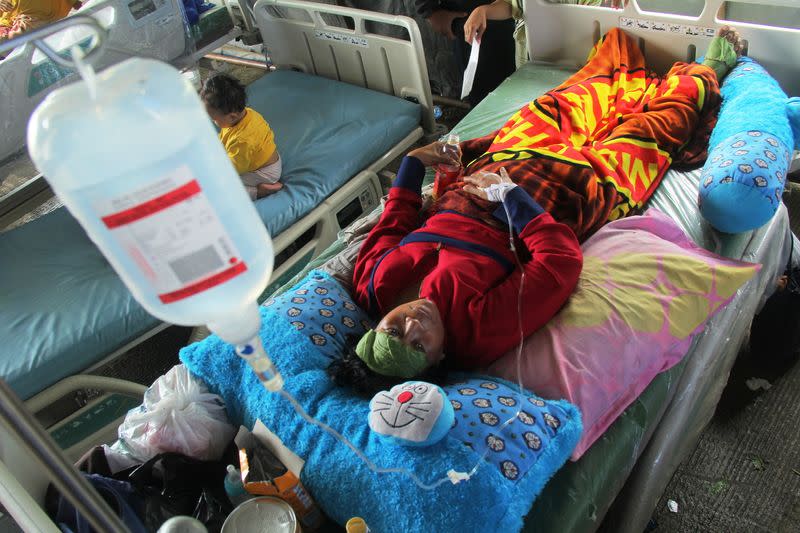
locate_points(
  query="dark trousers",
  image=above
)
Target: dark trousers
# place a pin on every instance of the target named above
(496, 61)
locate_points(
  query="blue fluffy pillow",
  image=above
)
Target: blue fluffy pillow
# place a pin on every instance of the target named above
(750, 151)
(297, 335)
(519, 461)
(519, 458)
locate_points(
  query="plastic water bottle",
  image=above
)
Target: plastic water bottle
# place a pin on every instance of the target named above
(234, 487)
(448, 173)
(133, 155)
(182, 524)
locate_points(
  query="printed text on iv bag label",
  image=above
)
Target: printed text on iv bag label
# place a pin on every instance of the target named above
(171, 232)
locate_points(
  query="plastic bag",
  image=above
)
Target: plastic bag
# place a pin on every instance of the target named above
(178, 415)
(174, 485)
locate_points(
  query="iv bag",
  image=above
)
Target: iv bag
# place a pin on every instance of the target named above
(142, 169)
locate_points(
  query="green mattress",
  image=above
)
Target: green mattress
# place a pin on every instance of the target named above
(578, 497)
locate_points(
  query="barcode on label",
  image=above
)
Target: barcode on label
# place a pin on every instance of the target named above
(197, 264)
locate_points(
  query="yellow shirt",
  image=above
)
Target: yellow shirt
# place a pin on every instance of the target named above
(41, 11)
(250, 143)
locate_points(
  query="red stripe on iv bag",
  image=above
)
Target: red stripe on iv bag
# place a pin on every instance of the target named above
(203, 284)
(153, 206)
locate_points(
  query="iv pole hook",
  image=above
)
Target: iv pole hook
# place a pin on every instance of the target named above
(37, 37)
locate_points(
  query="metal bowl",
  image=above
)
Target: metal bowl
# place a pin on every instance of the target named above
(264, 514)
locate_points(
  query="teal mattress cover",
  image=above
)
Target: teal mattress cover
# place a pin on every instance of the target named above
(64, 308)
(326, 132)
(580, 493)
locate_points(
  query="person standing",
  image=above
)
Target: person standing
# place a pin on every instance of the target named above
(496, 61)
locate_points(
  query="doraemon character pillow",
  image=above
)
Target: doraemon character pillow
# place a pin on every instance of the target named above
(414, 413)
(750, 151)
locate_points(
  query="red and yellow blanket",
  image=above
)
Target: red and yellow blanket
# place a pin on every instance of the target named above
(595, 148)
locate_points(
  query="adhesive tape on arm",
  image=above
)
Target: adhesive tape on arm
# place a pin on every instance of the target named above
(496, 192)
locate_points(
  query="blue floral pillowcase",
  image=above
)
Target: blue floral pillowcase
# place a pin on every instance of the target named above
(541, 436)
(323, 312)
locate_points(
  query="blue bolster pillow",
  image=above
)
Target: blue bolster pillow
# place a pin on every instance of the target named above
(749, 151)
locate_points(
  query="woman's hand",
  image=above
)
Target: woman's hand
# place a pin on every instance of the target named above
(438, 153)
(478, 183)
(6, 6)
(475, 24)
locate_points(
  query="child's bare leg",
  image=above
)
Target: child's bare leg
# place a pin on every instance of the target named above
(723, 51)
(265, 189)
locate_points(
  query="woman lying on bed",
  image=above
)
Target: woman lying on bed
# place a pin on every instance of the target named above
(590, 151)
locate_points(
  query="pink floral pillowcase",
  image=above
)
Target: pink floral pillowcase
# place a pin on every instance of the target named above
(645, 290)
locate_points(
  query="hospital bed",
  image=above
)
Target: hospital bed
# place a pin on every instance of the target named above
(348, 103)
(636, 457)
(148, 28)
(616, 484)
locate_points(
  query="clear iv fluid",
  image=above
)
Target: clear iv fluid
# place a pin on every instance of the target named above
(141, 168)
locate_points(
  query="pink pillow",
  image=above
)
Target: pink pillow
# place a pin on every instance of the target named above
(644, 291)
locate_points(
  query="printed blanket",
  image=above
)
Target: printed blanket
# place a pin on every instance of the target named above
(595, 148)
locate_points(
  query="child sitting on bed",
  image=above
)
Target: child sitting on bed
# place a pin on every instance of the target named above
(247, 137)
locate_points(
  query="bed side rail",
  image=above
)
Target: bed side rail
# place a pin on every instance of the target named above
(27, 75)
(336, 42)
(564, 33)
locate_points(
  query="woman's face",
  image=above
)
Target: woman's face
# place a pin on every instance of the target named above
(417, 324)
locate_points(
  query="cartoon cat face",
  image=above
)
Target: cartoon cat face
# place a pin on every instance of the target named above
(408, 411)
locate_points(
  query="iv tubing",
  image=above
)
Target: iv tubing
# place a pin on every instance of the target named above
(372, 466)
(519, 347)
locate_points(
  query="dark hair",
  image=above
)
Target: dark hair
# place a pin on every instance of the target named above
(351, 371)
(224, 93)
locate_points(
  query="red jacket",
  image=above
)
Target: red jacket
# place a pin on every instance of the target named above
(468, 269)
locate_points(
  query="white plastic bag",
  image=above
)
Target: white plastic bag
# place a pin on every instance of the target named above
(178, 415)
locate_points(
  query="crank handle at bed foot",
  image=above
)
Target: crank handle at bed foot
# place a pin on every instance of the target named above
(262, 365)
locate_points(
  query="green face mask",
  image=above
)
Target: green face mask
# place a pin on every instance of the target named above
(390, 357)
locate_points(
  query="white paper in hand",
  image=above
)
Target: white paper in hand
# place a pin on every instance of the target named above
(472, 66)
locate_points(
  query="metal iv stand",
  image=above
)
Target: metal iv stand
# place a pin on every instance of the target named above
(13, 413)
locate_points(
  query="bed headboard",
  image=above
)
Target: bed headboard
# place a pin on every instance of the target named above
(564, 33)
(336, 42)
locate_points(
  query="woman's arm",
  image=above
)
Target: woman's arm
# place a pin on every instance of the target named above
(476, 23)
(550, 275)
(401, 212)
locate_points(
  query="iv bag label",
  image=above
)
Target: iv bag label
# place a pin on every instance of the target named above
(173, 234)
